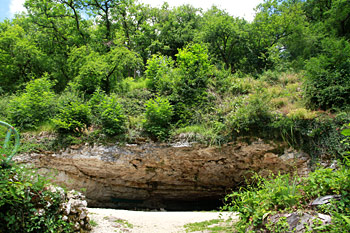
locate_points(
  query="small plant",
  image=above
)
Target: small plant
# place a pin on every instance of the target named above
(124, 223)
(93, 223)
(251, 112)
(158, 117)
(280, 226)
(108, 113)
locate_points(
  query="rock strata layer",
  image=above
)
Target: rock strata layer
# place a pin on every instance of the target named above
(162, 176)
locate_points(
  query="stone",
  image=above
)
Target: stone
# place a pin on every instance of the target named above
(326, 219)
(325, 199)
(300, 222)
(153, 175)
(66, 208)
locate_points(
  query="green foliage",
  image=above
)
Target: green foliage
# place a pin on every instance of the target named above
(206, 133)
(26, 205)
(227, 38)
(317, 136)
(284, 193)
(94, 70)
(327, 83)
(34, 106)
(134, 101)
(255, 201)
(190, 89)
(251, 113)
(108, 113)
(4, 107)
(280, 226)
(130, 84)
(111, 116)
(158, 67)
(193, 60)
(346, 142)
(20, 58)
(74, 115)
(213, 226)
(158, 117)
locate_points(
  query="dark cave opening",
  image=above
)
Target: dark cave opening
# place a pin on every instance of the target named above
(163, 204)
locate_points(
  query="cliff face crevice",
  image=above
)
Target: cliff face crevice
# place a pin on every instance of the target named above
(162, 176)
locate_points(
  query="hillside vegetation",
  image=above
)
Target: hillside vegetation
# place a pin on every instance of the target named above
(121, 71)
(106, 70)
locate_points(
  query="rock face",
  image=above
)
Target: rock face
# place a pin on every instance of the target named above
(162, 176)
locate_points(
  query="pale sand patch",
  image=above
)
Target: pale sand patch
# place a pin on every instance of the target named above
(149, 222)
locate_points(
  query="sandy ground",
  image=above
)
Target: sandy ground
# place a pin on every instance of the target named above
(111, 220)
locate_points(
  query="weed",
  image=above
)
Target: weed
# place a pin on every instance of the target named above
(215, 225)
(93, 223)
(124, 223)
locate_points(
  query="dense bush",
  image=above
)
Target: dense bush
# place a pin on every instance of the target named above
(74, 115)
(194, 63)
(4, 107)
(134, 101)
(318, 136)
(34, 106)
(327, 83)
(158, 67)
(251, 114)
(284, 193)
(108, 113)
(158, 117)
(112, 116)
(26, 205)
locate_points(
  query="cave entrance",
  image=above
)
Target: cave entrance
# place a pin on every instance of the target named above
(201, 204)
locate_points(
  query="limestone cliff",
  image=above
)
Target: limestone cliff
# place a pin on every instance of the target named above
(152, 175)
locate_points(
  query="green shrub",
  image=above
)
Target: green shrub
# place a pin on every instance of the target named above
(193, 61)
(284, 193)
(318, 136)
(108, 113)
(157, 69)
(130, 84)
(327, 80)
(34, 106)
(134, 101)
(264, 196)
(112, 116)
(26, 205)
(4, 107)
(252, 113)
(158, 117)
(74, 115)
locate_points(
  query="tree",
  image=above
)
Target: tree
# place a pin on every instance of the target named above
(327, 83)
(20, 58)
(190, 89)
(332, 15)
(276, 28)
(174, 28)
(226, 36)
(93, 70)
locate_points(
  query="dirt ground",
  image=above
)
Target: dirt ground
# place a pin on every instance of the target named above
(112, 220)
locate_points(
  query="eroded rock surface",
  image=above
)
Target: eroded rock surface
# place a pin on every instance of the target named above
(160, 176)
